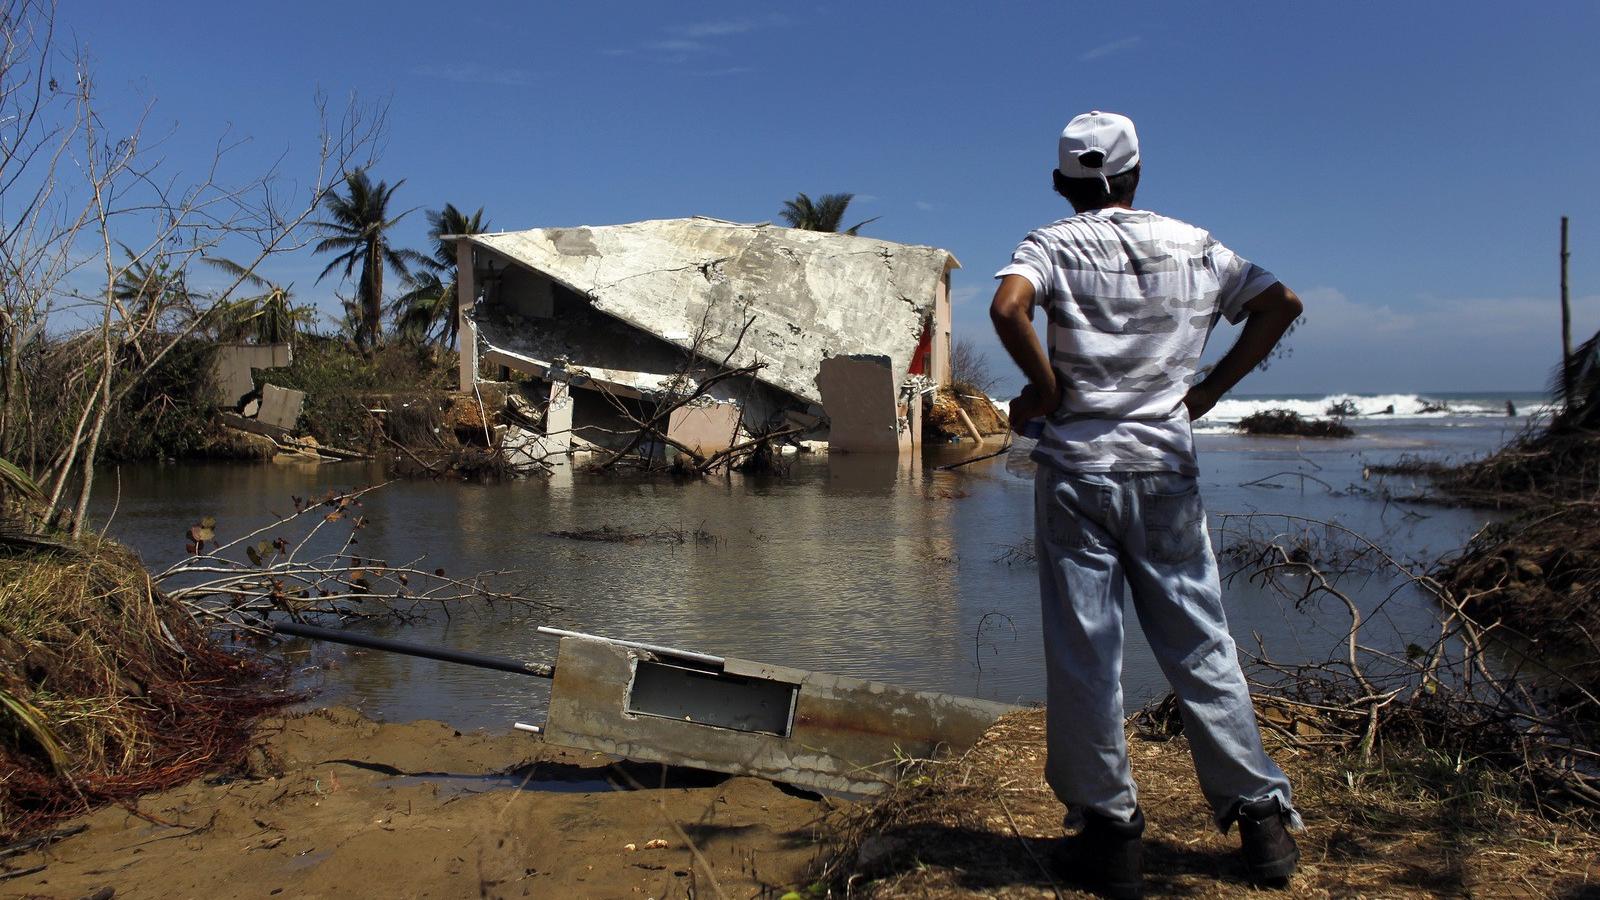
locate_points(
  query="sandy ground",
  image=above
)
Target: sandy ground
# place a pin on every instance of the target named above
(984, 825)
(339, 806)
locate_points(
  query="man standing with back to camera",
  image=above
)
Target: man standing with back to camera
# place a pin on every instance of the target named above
(1130, 298)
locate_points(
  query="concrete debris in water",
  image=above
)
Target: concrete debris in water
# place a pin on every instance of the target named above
(616, 317)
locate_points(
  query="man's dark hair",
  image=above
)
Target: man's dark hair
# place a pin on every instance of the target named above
(1088, 193)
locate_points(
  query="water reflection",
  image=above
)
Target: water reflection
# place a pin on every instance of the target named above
(857, 565)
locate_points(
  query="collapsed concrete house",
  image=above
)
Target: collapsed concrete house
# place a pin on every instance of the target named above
(847, 329)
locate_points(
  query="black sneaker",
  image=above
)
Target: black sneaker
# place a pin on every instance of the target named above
(1270, 854)
(1106, 856)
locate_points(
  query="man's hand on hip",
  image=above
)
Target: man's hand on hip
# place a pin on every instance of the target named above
(1033, 403)
(1199, 401)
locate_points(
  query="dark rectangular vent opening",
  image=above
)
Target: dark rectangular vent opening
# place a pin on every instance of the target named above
(712, 698)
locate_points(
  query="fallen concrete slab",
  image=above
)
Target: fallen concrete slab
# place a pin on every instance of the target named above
(280, 407)
(650, 703)
(827, 732)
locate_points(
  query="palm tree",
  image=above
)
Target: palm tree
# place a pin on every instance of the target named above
(431, 308)
(270, 317)
(147, 288)
(824, 214)
(358, 229)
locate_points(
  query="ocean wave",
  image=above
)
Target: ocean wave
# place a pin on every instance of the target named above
(1376, 407)
(1404, 406)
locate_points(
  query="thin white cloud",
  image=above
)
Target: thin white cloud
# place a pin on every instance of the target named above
(960, 296)
(677, 45)
(724, 27)
(1105, 50)
(925, 206)
(681, 43)
(729, 70)
(472, 73)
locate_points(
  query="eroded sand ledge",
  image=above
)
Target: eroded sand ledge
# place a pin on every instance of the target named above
(336, 805)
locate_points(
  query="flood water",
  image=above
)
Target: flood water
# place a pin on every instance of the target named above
(855, 565)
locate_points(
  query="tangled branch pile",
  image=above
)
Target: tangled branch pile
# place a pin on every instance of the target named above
(1289, 422)
(309, 565)
(1542, 467)
(112, 682)
(1539, 571)
(1480, 692)
(107, 688)
(1539, 574)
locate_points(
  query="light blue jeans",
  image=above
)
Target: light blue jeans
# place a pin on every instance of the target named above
(1095, 532)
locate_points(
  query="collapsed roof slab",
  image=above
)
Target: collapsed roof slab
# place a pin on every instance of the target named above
(808, 295)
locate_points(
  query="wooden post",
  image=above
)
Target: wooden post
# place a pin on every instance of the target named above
(1566, 324)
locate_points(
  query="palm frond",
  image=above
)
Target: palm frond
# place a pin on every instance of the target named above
(15, 481)
(36, 724)
(1582, 372)
(826, 213)
(237, 271)
(856, 228)
(349, 259)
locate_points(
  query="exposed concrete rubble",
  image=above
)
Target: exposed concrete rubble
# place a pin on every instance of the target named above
(615, 320)
(260, 423)
(235, 364)
(280, 407)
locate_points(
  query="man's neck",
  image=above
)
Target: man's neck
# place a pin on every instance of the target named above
(1127, 206)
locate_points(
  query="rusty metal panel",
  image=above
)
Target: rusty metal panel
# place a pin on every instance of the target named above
(845, 733)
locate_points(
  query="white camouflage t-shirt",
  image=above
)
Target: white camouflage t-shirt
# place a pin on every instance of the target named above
(1131, 297)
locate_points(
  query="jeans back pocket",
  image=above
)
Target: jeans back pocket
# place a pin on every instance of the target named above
(1175, 525)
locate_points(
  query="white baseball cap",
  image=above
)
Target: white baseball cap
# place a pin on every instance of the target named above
(1097, 145)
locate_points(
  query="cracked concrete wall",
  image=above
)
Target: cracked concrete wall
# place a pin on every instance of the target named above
(812, 295)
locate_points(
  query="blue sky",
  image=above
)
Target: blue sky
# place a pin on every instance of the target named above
(1402, 166)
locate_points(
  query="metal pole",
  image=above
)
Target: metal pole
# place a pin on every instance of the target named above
(443, 654)
(702, 658)
(1566, 324)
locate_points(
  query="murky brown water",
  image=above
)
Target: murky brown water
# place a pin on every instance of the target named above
(852, 565)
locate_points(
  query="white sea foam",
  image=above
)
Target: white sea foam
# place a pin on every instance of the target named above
(1369, 407)
(1399, 406)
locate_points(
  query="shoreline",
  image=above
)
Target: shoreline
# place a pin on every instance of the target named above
(331, 804)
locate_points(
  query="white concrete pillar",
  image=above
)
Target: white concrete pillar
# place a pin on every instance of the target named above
(558, 417)
(916, 418)
(466, 289)
(939, 358)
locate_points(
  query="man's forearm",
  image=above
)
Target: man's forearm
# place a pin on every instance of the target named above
(1012, 315)
(1262, 331)
(1022, 344)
